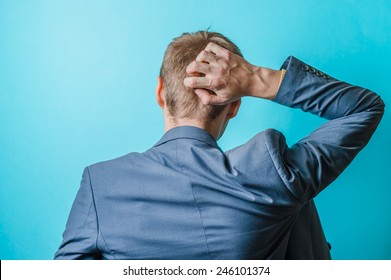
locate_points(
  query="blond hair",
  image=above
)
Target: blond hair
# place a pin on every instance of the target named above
(181, 101)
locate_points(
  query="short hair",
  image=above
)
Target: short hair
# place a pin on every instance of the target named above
(181, 101)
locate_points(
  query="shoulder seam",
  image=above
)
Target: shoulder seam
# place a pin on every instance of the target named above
(278, 170)
(98, 232)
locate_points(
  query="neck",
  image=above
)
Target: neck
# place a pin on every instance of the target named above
(214, 128)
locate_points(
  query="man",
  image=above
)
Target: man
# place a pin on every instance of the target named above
(186, 199)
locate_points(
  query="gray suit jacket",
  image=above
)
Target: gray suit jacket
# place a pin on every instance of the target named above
(187, 199)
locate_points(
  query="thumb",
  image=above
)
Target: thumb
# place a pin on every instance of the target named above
(208, 98)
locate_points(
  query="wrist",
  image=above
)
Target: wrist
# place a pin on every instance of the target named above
(265, 82)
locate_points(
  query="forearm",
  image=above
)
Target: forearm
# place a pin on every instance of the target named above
(310, 90)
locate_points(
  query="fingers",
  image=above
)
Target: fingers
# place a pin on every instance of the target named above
(216, 49)
(208, 98)
(213, 62)
(198, 82)
(206, 56)
(198, 67)
(206, 61)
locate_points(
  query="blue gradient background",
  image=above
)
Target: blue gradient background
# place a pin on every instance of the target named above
(77, 81)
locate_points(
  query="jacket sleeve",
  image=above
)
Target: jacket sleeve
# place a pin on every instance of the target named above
(315, 161)
(81, 232)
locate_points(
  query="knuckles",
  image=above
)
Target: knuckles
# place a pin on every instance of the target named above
(220, 71)
(225, 65)
(197, 65)
(202, 55)
(216, 84)
(226, 54)
(212, 83)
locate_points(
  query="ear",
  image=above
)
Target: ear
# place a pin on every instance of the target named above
(160, 92)
(233, 108)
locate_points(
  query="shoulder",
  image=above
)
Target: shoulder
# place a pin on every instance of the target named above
(270, 141)
(105, 169)
(259, 163)
(262, 149)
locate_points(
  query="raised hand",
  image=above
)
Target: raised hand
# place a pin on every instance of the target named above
(219, 76)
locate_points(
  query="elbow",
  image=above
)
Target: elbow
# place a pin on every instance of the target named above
(377, 105)
(380, 105)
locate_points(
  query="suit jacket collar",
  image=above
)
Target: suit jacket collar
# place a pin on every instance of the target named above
(188, 132)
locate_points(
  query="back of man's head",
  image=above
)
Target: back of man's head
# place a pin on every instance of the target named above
(181, 101)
